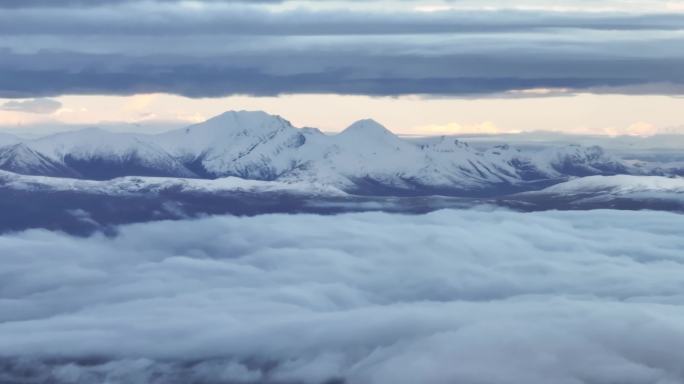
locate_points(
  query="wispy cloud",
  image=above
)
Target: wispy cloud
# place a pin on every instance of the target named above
(40, 106)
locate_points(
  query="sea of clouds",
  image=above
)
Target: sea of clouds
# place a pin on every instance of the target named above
(476, 296)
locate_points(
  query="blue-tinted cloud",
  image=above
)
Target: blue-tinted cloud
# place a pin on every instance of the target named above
(351, 72)
(229, 49)
(555, 297)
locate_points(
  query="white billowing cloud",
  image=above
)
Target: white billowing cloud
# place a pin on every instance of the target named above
(449, 297)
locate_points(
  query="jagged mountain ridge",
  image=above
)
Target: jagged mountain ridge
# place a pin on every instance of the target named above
(91, 154)
(365, 158)
(23, 159)
(245, 144)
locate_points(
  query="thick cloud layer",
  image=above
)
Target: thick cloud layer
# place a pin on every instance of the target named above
(216, 48)
(449, 297)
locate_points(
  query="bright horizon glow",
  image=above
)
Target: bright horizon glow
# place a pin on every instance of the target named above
(409, 115)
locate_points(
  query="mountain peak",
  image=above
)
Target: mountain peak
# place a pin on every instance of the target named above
(239, 123)
(246, 117)
(367, 128)
(21, 158)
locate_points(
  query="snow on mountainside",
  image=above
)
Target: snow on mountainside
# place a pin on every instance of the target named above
(21, 158)
(93, 154)
(364, 151)
(615, 192)
(557, 162)
(575, 160)
(617, 185)
(366, 158)
(252, 145)
(132, 184)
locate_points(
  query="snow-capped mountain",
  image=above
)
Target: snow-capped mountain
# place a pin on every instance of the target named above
(557, 162)
(615, 192)
(252, 145)
(618, 185)
(131, 185)
(91, 154)
(365, 158)
(364, 152)
(22, 158)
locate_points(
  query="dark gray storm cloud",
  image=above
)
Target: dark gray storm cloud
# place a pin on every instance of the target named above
(225, 49)
(351, 72)
(450, 297)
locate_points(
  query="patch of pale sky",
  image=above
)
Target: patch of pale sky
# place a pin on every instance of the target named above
(555, 111)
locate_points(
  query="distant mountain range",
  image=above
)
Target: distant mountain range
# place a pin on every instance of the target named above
(247, 163)
(605, 192)
(365, 158)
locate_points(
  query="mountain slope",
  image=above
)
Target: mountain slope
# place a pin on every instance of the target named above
(619, 185)
(365, 151)
(366, 158)
(555, 162)
(132, 185)
(614, 192)
(21, 158)
(93, 154)
(252, 145)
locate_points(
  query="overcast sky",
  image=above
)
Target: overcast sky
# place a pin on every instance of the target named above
(188, 60)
